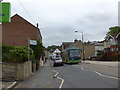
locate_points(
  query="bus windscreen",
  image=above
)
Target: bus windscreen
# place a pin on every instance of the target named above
(74, 53)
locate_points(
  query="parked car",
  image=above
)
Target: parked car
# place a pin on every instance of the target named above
(92, 58)
(57, 61)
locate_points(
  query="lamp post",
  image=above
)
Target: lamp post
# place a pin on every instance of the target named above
(82, 43)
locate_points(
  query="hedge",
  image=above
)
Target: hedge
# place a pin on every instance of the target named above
(15, 54)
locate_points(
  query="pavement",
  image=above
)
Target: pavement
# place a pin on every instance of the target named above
(43, 78)
(3, 84)
(83, 75)
(105, 63)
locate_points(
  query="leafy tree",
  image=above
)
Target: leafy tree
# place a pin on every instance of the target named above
(53, 47)
(114, 30)
(38, 50)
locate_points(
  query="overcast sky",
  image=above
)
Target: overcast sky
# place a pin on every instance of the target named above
(58, 19)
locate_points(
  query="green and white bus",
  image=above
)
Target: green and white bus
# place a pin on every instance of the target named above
(71, 55)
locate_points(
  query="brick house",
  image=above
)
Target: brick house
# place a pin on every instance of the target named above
(118, 41)
(19, 31)
(112, 42)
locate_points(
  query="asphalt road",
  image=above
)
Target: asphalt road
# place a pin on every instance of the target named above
(69, 76)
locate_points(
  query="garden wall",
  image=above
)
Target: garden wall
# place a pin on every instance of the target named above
(16, 71)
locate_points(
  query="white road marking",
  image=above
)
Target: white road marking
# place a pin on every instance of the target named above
(98, 73)
(61, 82)
(82, 68)
(101, 74)
(59, 78)
(11, 85)
(56, 73)
(105, 75)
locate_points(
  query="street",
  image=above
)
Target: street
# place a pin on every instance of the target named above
(69, 76)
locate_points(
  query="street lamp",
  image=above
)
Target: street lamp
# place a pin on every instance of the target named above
(82, 43)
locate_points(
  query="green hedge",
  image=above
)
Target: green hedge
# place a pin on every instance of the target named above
(15, 54)
(38, 50)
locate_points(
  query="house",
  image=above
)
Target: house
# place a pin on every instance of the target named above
(118, 41)
(89, 49)
(112, 42)
(99, 46)
(19, 31)
(57, 52)
(66, 45)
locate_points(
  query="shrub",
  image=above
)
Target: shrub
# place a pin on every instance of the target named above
(109, 56)
(17, 54)
(38, 50)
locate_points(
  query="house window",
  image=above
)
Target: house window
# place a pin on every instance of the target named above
(112, 49)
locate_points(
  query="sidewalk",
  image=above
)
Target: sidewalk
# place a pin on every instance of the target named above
(41, 79)
(105, 63)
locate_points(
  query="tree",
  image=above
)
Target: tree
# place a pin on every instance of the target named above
(53, 47)
(114, 30)
(38, 50)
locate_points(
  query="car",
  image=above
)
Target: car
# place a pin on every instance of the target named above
(57, 61)
(92, 58)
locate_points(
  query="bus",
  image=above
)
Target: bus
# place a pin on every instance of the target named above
(71, 55)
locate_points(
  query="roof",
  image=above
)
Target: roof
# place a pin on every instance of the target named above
(71, 48)
(57, 51)
(114, 36)
(67, 44)
(18, 16)
(118, 35)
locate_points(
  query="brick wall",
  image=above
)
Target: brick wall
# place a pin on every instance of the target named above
(18, 31)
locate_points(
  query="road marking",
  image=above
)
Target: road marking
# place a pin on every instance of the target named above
(105, 75)
(82, 68)
(11, 85)
(56, 73)
(98, 73)
(59, 78)
(101, 74)
(61, 82)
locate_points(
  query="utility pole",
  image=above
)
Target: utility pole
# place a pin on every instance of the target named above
(83, 51)
(28, 49)
(83, 46)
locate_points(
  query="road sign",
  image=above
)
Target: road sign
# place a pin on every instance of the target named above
(1, 0)
(5, 11)
(33, 42)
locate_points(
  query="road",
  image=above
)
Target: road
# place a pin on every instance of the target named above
(70, 76)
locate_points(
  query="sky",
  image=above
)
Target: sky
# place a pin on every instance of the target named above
(59, 19)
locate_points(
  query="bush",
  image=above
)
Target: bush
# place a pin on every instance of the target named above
(38, 50)
(17, 54)
(109, 56)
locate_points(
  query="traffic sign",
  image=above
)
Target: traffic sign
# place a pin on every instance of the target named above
(5, 11)
(33, 42)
